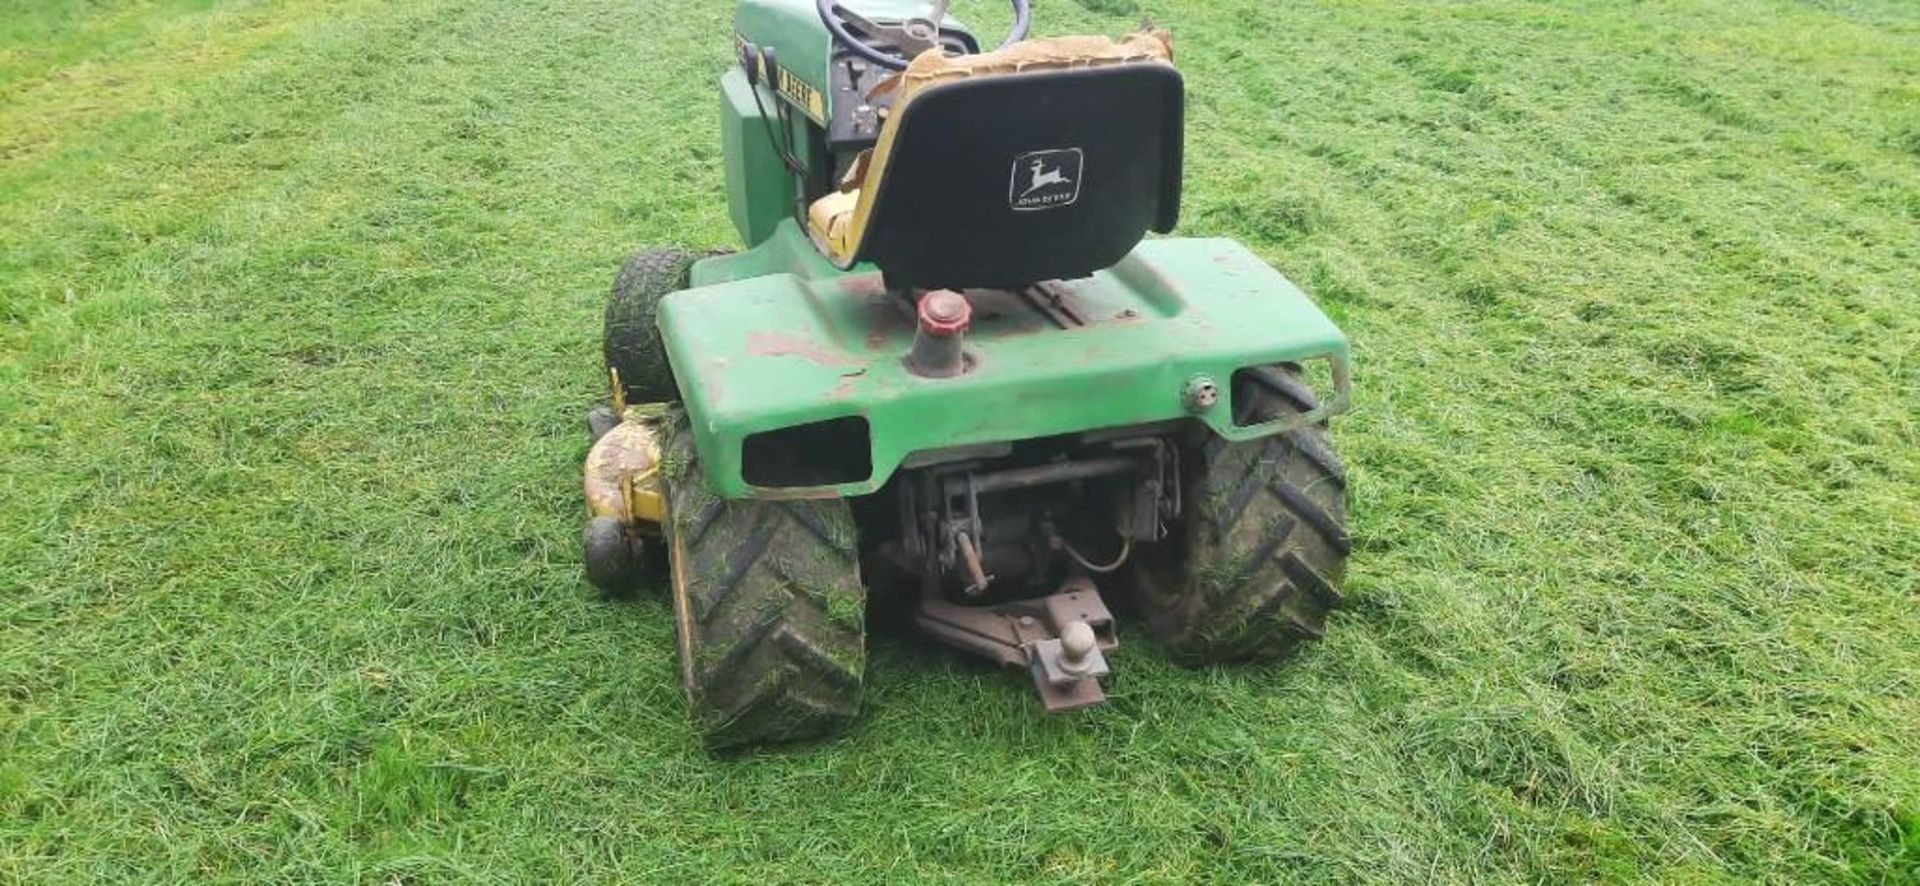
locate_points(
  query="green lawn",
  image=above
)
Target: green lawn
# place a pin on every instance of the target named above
(299, 313)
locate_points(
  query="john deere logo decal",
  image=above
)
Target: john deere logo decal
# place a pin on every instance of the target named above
(1045, 179)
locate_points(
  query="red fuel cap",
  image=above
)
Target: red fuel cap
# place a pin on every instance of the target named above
(944, 313)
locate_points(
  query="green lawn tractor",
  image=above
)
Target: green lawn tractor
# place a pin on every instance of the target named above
(950, 372)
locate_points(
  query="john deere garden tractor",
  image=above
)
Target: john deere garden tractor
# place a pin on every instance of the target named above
(950, 371)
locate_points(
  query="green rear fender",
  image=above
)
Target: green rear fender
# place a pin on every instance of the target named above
(775, 338)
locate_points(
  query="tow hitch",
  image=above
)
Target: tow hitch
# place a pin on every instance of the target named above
(1061, 639)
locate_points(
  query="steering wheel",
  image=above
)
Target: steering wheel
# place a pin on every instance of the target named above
(912, 37)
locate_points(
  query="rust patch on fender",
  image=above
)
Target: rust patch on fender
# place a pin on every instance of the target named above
(773, 343)
(868, 284)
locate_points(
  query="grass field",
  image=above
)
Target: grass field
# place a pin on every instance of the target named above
(301, 304)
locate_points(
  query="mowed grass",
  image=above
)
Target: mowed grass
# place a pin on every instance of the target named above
(299, 313)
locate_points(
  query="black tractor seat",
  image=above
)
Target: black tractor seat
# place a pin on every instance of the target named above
(1049, 159)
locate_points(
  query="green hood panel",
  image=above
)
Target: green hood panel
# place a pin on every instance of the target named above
(775, 337)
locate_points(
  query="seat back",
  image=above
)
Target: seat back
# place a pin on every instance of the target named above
(1011, 177)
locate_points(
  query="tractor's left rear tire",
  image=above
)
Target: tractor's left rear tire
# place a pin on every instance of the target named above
(768, 605)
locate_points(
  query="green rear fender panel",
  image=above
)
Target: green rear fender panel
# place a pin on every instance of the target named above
(775, 337)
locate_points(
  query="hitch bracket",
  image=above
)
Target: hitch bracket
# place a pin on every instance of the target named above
(1059, 639)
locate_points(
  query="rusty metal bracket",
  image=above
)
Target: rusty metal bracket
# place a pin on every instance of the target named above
(1060, 639)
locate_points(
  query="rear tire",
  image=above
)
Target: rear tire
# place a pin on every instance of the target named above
(632, 340)
(1259, 560)
(768, 605)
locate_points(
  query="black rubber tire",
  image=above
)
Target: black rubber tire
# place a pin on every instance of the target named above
(1258, 562)
(600, 420)
(615, 559)
(632, 342)
(768, 604)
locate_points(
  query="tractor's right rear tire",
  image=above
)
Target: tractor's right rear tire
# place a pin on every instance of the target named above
(1257, 566)
(768, 605)
(632, 342)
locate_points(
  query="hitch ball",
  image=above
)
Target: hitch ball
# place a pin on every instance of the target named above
(1077, 656)
(1076, 640)
(1200, 393)
(944, 317)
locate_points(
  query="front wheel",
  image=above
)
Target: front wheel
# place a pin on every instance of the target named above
(631, 342)
(1258, 563)
(768, 605)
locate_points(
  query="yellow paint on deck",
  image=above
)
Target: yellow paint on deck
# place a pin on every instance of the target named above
(622, 475)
